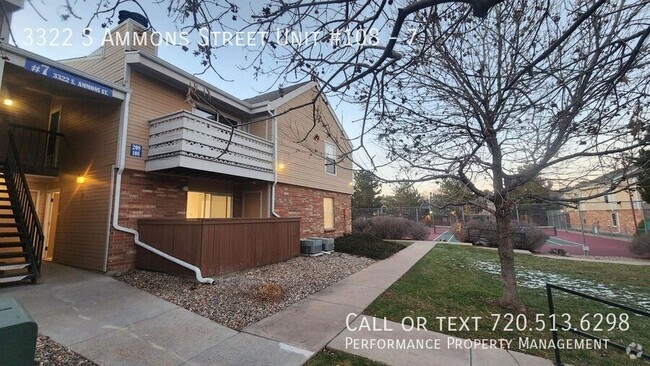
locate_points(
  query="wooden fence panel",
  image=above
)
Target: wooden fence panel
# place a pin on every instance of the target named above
(218, 246)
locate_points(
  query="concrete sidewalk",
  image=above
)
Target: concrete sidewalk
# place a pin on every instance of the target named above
(112, 323)
(321, 320)
(312, 323)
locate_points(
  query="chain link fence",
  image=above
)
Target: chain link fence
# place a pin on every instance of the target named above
(616, 219)
(423, 215)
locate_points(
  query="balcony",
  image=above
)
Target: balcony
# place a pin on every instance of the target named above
(185, 140)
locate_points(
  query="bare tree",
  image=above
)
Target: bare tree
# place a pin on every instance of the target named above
(489, 94)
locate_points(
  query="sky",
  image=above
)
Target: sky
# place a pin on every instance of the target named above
(41, 30)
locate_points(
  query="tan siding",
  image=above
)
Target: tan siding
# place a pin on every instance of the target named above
(90, 131)
(260, 128)
(150, 99)
(303, 162)
(109, 65)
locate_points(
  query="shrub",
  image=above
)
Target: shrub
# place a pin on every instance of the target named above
(559, 251)
(640, 245)
(367, 245)
(390, 227)
(460, 232)
(481, 232)
(527, 237)
(270, 292)
(484, 232)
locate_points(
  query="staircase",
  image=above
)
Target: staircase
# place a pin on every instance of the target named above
(21, 234)
(16, 260)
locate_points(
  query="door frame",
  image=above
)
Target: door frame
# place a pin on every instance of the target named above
(49, 207)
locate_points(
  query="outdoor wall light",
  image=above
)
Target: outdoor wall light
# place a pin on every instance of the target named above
(8, 102)
(186, 189)
(81, 179)
(281, 166)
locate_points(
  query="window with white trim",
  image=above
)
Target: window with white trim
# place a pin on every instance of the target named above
(328, 213)
(330, 158)
(614, 217)
(201, 205)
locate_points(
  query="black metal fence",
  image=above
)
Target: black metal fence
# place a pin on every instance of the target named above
(637, 351)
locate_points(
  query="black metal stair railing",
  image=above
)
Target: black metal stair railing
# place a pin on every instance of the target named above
(23, 203)
(38, 149)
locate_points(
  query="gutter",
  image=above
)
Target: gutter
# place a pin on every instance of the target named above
(121, 160)
(275, 158)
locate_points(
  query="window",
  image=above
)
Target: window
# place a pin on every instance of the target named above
(330, 158)
(209, 113)
(614, 218)
(606, 197)
(202, 205)
(328, 213)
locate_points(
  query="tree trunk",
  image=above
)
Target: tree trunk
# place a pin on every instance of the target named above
(510, 299)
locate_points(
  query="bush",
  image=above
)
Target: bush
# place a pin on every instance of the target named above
(366, 245)
(527, 238)
(482, 232)
(460, 232)
(390, 227)
(559, 251)
(270, 292)
(640, 245)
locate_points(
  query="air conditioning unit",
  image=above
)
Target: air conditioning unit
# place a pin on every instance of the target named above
(310, 246)
(326, 243)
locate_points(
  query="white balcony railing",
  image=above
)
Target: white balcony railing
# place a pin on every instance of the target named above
(185, 140)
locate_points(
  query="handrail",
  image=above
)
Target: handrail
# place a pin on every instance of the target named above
(214, 123)
(37, 149)
(17, 184)
(15, 125)
(554, 330)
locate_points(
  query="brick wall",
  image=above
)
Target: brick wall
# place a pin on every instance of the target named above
(149, 195)
(602, 219)
(143, 196)
(307, 203)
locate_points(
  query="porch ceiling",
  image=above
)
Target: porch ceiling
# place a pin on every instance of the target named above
(17, 77)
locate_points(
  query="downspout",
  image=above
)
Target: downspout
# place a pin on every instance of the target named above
(121, 159)
(275, 159)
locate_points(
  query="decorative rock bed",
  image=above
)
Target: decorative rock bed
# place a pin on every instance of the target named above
(241, 299)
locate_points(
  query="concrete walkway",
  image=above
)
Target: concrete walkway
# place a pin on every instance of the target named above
(313, 322)
(112, 323)
(321, 320)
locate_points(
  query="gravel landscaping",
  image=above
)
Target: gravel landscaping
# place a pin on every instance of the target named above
(241, 299)
(50, 353)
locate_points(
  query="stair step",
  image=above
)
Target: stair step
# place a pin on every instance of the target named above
(11, 244)
(13, 266)
(10, 235)
(6, 207)
(13, 254)
(7, 216)
(5, 199)
(16, 278)
(8, 225)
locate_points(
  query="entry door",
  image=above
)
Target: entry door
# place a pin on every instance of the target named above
(51, 219)
(252, 204)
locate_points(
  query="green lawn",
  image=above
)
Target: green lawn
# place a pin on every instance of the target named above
(459, 281)
(336, 358)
